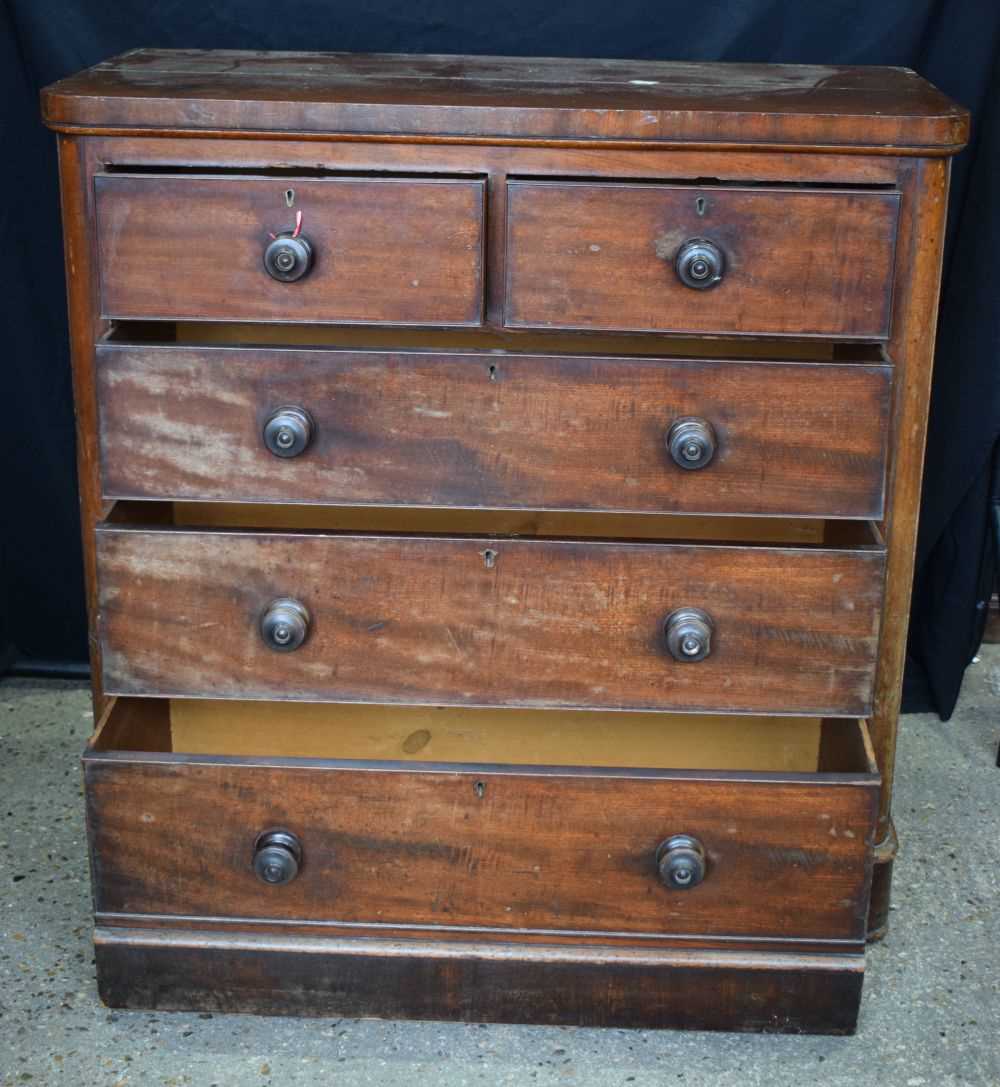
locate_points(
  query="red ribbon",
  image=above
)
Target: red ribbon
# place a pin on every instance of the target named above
(295, 232)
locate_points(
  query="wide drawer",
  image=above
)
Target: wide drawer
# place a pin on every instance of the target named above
(384, 250)
(492, 429)
(788, 262)
(176, 827)
(487, 620)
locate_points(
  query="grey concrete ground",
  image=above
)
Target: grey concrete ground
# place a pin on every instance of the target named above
(931, 1011)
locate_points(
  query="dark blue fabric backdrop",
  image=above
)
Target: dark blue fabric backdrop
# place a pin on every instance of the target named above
(955, 43)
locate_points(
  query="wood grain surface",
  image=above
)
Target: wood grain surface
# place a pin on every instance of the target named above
(415, 979)
(496, 848)
(76, 164)
(394, 250)
(601, 256)
(508, 98)
(488, 429)
(489, 621)
(922, 238)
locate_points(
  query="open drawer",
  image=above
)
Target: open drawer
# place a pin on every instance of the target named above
(342, 606)
(526, 822)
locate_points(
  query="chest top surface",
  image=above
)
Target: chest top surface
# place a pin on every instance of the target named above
(500, 99)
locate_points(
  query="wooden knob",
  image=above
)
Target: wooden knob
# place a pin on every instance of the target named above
(688, 632)
(288, 432)
(288, 257)
(680, 861)
(276, 857)
(691, 442)
(285, 625)
(699, 264)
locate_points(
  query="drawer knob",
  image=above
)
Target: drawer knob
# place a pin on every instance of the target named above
(700, 264)
(680, 860)
(288, 432)
(277, 855)
(285, 625)
(288, 257)
(689, 634)
(691, 442)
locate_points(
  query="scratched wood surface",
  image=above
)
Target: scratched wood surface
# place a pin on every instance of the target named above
(508, 98)
(601, 256)
(490, 621)
(506, 849)
(483, 429)
(192, 247)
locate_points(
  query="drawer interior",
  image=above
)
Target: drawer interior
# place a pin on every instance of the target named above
(493, 339)
(496, 737)
(500, 523)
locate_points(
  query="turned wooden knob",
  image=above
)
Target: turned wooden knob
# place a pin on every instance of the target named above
(680, 861)
(691, 442)
(285, 625)
(700, 264)
(276, 857)
(288, 432)
(288, 257)
(688, 632)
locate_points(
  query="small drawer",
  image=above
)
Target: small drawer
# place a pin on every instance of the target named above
(208, 812)
(679, 258)
(368, 250)
(344, 614)
(493, 429)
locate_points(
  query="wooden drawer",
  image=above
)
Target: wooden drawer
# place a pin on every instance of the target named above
(796, 262)
(487, 429)
(455, 845)
(385, 250)
(490, 620)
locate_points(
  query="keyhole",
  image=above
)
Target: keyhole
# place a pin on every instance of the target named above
(699, 205)
(290, 197)
(490, 558)
(479, 788)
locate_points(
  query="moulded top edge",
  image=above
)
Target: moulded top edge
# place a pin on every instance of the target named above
(503, 99)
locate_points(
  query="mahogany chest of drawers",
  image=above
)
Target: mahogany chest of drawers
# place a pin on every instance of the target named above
(499, 482)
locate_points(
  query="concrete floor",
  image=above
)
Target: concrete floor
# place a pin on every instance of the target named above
(931, 1014)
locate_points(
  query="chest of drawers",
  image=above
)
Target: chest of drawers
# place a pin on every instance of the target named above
(499, 483)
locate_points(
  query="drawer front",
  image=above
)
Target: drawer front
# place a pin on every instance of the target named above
(393, 251)
(488, 621)
(507, 850)
(602, 256)
(482, 430)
